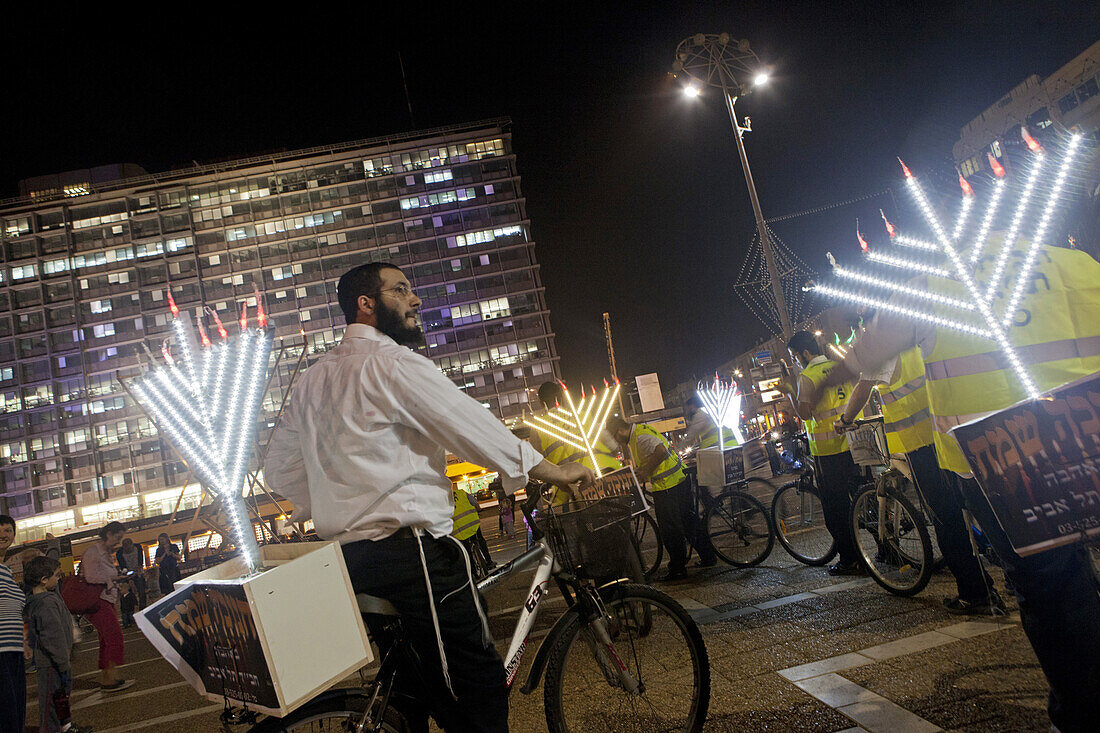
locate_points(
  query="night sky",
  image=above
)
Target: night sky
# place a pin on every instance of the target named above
(636, 195)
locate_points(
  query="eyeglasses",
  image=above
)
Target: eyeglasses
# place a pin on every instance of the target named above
(403, 290)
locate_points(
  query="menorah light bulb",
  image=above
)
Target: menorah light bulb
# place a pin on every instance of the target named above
(890, 228)
(577, 424)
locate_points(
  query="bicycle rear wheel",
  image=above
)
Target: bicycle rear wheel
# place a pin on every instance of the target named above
(739, 528)
(331, 713)
(648, 541)
(661, 648)
(799, 522)
(893, 541)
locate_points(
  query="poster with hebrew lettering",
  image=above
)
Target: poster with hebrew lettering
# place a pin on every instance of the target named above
(1038, 463)
(207, 632)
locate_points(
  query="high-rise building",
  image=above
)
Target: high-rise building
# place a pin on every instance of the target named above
(87, 264)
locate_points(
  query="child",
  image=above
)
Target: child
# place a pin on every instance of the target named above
(51, 634)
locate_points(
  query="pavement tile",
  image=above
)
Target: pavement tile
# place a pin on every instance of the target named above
(835, 691)
(883, 716)
(849, 585)
(832, 664)
(784, 601)
(968, 629)
(908, 645)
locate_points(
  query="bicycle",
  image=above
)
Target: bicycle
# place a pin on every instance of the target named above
(798, 516)
(891, 533)
(592, 657)
(647, 540)
(736, 521)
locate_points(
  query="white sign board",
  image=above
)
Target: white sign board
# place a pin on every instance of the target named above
(649, 392)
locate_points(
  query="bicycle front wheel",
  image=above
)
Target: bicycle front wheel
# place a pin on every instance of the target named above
(334, 712)
(739, 528)
(799, 522)
(659, 646)
(648, 541)
(893, 541)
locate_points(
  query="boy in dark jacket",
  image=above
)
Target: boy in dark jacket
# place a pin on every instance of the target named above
(50, 628)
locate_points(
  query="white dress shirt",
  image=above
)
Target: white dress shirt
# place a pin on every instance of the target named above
(361, 448)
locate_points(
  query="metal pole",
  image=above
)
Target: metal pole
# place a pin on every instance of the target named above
(761, 227)
(611, 359)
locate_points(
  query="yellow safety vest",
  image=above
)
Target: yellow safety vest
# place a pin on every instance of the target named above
(465, 518)
(905, 405)
(669, 472)
(1055, 332)
(709, 437)
(557, 451)
(824, 440)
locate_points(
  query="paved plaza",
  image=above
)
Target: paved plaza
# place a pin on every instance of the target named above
(791, 649)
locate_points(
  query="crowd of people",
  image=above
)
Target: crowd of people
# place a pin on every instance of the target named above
(38, 630)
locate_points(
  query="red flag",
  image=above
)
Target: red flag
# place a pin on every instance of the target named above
(1032, 144)
(862, 242)
(172, 303)
(218, 322)
(244, 316)
(998, 169)
(890, 228)
(202, 331)
(905, 169)
(261, 317)
(965, 186)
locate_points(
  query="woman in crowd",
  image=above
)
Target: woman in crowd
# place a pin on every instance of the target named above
(168, 563)
(98, 567)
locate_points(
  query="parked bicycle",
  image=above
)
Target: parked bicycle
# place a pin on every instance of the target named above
(890, 520)
(623, 656)
(798, 516)
(736, 522)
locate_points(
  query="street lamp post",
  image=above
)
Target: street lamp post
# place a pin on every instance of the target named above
(716, 60)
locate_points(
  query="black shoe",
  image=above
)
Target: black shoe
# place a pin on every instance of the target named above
(74, 728)
(992, 606)
(673, 575)
(851, 568)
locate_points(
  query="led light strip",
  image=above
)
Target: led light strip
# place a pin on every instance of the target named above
(553, 431)
(900, 309)
(905, 264)
(895, 286)
(987, 222)
(584, 434)
(995, 329)
(968, 202)
(580, 425)
(906, 241)
(1014, 228)
(722, 403)
(1048, 213)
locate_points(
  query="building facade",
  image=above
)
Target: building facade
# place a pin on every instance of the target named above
(1068, 99)
(87, 266)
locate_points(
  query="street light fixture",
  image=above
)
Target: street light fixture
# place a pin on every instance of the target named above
(716, 60)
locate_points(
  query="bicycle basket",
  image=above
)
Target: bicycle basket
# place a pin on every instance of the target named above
(592, 539)
(868, 445)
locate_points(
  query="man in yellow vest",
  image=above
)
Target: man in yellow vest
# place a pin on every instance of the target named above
(909, 430)
(467, 527)
(1056, 334)
(701, 429)
(819, 407)
(656, 462)
(556, 451)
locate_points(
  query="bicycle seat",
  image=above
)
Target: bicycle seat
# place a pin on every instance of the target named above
(375, 605)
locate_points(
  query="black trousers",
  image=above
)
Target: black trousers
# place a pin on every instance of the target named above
(1060, 611)
(952, 533)
(836, 476)
(391, 569)
(13, 692)
(678, 523)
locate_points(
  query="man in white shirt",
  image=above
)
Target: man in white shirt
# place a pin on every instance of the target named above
(361, 450)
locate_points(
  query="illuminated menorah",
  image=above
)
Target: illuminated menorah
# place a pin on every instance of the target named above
(578, 424)
(973, 313)
(722, 403)
(206, 404)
